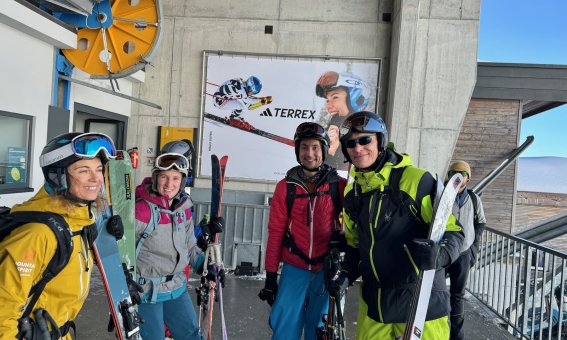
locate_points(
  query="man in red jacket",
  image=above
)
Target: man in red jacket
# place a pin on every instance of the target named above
(299, 232)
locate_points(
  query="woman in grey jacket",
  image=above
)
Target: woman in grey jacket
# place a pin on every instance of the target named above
(165, 245)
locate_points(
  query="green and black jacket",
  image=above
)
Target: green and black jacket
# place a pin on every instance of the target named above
(379, 221)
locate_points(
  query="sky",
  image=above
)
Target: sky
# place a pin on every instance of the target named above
(532, 32)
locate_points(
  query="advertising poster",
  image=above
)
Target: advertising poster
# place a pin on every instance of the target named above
(253, 105)
(16, 169)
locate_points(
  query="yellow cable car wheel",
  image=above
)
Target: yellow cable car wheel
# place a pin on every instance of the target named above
(119, 38)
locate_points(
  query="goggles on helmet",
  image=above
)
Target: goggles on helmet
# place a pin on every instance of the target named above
(87, 145)
(311, 128)
(360, 124)
(175, 161)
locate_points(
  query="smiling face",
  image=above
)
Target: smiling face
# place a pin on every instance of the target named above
(169, 182)
(363, 156)
(85, 178)
(310, 153)
(337, 102)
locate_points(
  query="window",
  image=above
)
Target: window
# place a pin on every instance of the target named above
(15, 141)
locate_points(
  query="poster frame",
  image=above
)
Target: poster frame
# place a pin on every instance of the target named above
(295, 57)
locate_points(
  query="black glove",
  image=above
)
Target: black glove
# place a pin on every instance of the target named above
(270, 290)
(208, 231)
(212, 277)
(473, 255)
(338, 283)
(424, 253)
(133, 287)
(115, 227)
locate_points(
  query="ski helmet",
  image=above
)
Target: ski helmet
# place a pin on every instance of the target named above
(170, 161)
(253, 85)
(356, 88)
(310, 130)
(185, 148)
(68, 148)
(363, 121)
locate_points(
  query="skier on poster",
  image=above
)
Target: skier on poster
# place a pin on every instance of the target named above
(345, 93)
(238, 94)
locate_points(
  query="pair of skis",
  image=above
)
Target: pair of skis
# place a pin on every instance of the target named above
(442, 208)
(207, 291)
(124, 317)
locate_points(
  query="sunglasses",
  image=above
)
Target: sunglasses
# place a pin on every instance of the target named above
(309, 127)
(168, 161)
(87, 145)
(452, 172)
(364, 140)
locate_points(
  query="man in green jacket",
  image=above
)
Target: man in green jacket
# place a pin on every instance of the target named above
(387, 211)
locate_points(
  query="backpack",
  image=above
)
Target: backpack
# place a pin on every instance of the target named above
(288, 240)
(10, 221)
(474, 201)
(333, 191)
(404, 201)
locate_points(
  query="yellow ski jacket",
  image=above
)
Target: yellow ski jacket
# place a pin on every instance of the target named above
(24, 255)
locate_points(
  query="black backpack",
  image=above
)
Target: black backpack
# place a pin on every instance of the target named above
(288, 241)
(10, 221)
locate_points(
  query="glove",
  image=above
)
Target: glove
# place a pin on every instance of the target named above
(212, 277)
(473, 256)
(115, 227)
(338, 283)
(270, 290)
(133, 287)
(209, 229)
(424, 253)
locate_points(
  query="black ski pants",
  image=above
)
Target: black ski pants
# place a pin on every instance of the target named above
(458, 274)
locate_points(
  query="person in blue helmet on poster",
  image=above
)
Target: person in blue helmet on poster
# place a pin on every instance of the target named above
(345, 93)
(238, 94)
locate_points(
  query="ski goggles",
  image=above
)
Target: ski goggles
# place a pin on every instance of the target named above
(451, 173)
(364, 140)
(175, 161)
(361, 123)
(310, 128)
(87, 145)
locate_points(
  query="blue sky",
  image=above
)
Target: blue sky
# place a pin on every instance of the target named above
(522, 31)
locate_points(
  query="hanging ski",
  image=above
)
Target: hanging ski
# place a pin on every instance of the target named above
(442, 208)
(208, 291)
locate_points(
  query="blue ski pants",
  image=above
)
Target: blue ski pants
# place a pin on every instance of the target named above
(301, 302)
(178, 314)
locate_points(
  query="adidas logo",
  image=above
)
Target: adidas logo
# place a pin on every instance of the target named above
(289, 113)
(266, 113)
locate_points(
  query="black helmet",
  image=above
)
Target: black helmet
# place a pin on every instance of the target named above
(66, 149)
(183, 147)
(310, 130)
(363, 121)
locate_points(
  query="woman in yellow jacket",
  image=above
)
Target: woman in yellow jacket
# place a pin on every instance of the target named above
(72, 165)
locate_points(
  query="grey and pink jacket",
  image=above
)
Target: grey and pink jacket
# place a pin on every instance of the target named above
(169, 247)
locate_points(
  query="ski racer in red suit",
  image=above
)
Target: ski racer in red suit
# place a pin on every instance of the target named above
(301, 238)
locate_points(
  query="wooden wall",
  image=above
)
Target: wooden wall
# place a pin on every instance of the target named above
(489, 132)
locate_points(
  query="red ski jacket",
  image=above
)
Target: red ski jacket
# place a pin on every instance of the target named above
(312, 220)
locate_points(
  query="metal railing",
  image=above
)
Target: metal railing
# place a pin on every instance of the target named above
(524, 283)
(246, 232)
(521, 281)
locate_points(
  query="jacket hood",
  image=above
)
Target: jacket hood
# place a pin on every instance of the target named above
(370, 180)
(77, 216)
